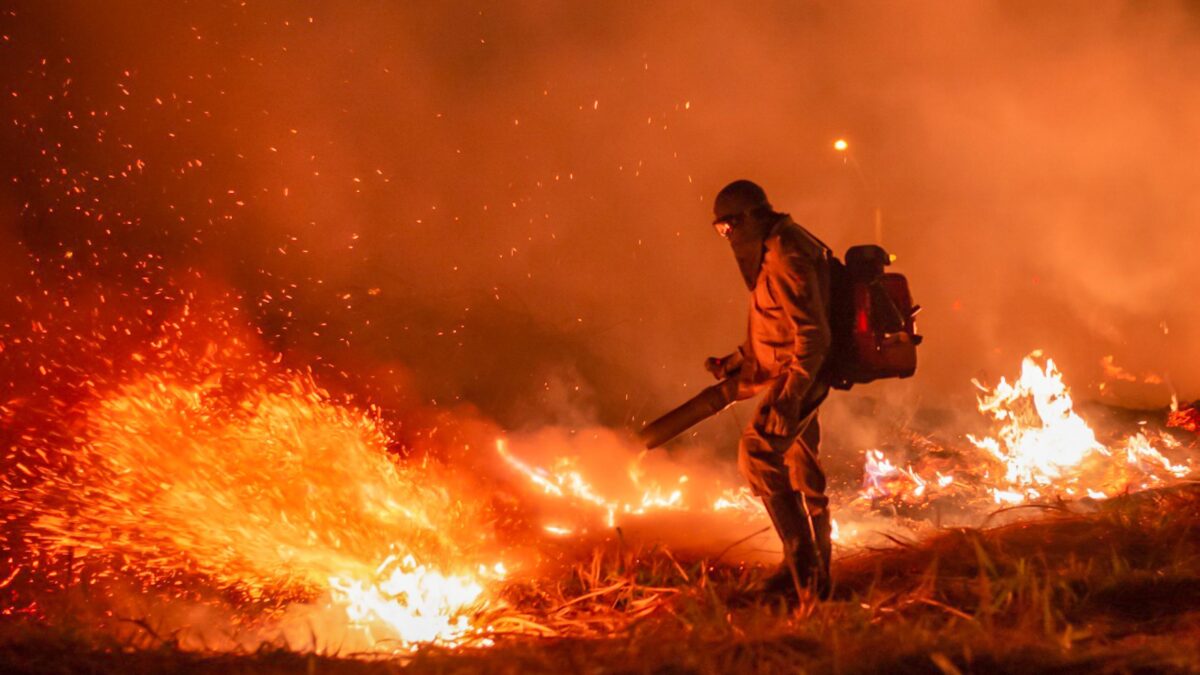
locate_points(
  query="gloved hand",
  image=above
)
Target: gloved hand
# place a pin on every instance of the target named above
(722, 367)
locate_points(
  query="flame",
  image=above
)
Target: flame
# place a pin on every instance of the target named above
(642, 496)
(1041, 437)
(877, 470)
(265, 485)
(1187, 418)
(412, 604)
(1040, 447)
(1045, 447)
(270, 487)
(883, 479)
(739, 499)
(566, 480)
(1141, 454)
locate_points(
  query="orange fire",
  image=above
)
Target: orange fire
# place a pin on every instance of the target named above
(268, 485)
(1045, 447)
(640, 497)
(565, 480)
(1040, 447)
(278, 488)
(1041, 439)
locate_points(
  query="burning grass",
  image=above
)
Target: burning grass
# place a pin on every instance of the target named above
(1113, 589)
(210, 500)
(274, 492)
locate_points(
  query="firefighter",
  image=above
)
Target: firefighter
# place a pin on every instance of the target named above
(787, 270)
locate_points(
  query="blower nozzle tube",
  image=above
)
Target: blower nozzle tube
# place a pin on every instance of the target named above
(700, 407)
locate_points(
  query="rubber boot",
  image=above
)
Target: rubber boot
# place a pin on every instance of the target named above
(777, 582)
(797, 532)
(822, 536)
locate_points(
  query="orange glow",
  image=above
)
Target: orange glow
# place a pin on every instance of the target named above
(1041, 438)
(270, 485)
(566, 480)
(278, 489)
(1040, 447)
(329, 327)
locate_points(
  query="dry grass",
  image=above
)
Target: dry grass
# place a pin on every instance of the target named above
(1115, 590)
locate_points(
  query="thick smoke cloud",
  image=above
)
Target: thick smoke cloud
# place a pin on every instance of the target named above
(506, 204)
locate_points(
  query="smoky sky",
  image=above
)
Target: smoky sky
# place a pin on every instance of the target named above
(506, 204)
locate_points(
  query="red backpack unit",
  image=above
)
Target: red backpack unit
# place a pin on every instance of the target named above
(872, 318)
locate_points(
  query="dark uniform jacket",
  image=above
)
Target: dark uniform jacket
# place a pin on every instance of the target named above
(788, 337)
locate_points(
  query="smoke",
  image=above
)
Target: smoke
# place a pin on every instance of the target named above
(506, 206)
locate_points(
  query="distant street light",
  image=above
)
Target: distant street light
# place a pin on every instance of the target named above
(842, 146)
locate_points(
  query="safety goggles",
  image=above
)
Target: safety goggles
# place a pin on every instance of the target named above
(725, 225)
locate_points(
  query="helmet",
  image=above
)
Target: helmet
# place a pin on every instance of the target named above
(736, 198)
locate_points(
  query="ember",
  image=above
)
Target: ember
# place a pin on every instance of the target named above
(328, 330)
(1187, 418)
(267, 488)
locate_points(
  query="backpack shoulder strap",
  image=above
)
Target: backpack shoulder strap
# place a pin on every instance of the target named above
(817, 240)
